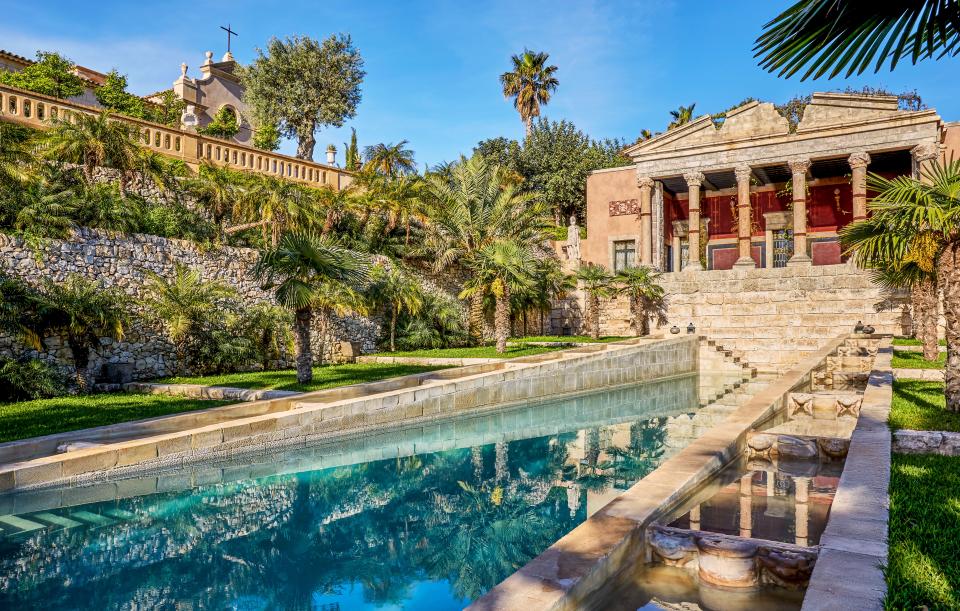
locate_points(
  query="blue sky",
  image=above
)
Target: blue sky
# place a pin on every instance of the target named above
(432, 67)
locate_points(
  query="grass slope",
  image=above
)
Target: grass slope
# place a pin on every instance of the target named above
(921, 406)
(924, 567)
(327, 376)
(915, 360)
(47, 416)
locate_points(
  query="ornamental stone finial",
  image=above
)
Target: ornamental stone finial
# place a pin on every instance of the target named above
(925, 151)
(859, 159)
(183, 70)
(694, 179)
(644, 181)
(742, 172)
(799, 165)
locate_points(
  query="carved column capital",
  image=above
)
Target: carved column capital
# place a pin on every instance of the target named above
(694, 179)
(644, 182)
(799, 165)
(925, 151)
(742, 172)
(859, 159)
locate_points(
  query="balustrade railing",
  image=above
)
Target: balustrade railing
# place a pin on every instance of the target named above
(38, 111)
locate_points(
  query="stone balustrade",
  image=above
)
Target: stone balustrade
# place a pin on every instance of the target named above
(38, 111)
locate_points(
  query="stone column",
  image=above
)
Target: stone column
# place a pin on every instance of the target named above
(646, 220)
(694, 179)
(922, 153)
(744, 224)
(799, 167)
(802, 510)
(746, 505)
(679, 232)
(695, 517)
(858, 168)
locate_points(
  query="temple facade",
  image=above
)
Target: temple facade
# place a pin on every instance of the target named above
(754, 191)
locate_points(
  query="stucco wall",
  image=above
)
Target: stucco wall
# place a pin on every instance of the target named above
(602, 188)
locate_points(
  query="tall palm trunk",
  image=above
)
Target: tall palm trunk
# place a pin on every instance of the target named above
(641, 318)
(593, 310)
(81, 362)
(301, 339)
(948, 277)
(528, 126)
(475, 322)
(926, 314)
(502, 319)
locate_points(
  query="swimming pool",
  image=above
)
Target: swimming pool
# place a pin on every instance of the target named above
(430, 516)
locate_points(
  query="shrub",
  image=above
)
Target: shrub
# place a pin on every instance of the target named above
(28, 379)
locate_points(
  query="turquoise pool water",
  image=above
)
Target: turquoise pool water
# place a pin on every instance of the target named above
(428, 517)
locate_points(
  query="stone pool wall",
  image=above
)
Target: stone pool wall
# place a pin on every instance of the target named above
(259, 426)
(122, 260)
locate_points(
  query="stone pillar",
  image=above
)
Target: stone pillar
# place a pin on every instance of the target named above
(695, 517)
(922, 153)
(694, 179)
(858, 168)
(802, 510)
(679, 232)
(746, 505)
(799, 167)
(646, 220)
(744, 222)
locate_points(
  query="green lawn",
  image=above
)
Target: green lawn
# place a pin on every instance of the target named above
(920, 406)
(326, 376)
(915, 360)
(912, 341)
(478, 352)
(579, 339)
(924, 567)
(47, 416)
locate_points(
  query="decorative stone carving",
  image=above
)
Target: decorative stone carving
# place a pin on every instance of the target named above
(188, 120)
(644, 182)
(675, 549)
(791, 569)
(833, 447)
(743, 172)
(623, 207)
(789, 446)
(859, 160)
(693, 179)
(799, 165)
(800, 405)
(849, 406)
(760, 445)
(727, 562)
(925, 151)
(573, 240)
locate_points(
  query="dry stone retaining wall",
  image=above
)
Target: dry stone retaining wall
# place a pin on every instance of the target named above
(122, 261)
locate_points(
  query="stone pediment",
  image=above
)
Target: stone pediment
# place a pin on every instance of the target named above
(832, 109)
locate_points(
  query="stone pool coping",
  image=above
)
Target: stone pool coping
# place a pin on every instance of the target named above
(569, 571)
(853, 548)
(425, 360)
(327, 413)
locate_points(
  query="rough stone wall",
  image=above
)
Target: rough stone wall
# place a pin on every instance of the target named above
(123, 260)
(770, 317)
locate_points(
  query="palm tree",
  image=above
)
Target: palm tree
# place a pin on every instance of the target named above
(827, 36)
(184, 305)
(530, 84)
(390, 159)
(501, 267)
(84, 312)
(646, 296)
(917, 222)
(397, 292)
(296, 269)
(19, 304)
(218, 190)
(277, 206)
(681, 116)
(91, 141)
(16, 155)
(595, 281)
(472, 209)
(551, 282)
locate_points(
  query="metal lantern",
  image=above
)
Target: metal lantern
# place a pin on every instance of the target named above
(691, 329)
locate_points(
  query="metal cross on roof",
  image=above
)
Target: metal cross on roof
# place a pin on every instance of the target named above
(229, 34)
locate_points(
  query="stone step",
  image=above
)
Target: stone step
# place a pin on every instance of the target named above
(92, 518)
(20, 525)
(55, 520)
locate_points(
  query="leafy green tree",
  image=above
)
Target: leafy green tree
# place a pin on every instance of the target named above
(168, 110)
(501, 151)
(531, 84)
(305, 84)
(297, 270)
(917, 222)
(267, 136)
(472, 209)
(225, 124)
(397, 292)
(390, 160)
(91, 141)
(351, 153)
(646, 296)
(681, 116)
(113, 95)
(826, 37)
(555, 161)
(186, 307)
(52, 74)
(596, 283)
(500, 268)
(83, 312)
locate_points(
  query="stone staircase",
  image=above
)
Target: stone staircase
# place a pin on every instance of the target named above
(18, 526)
